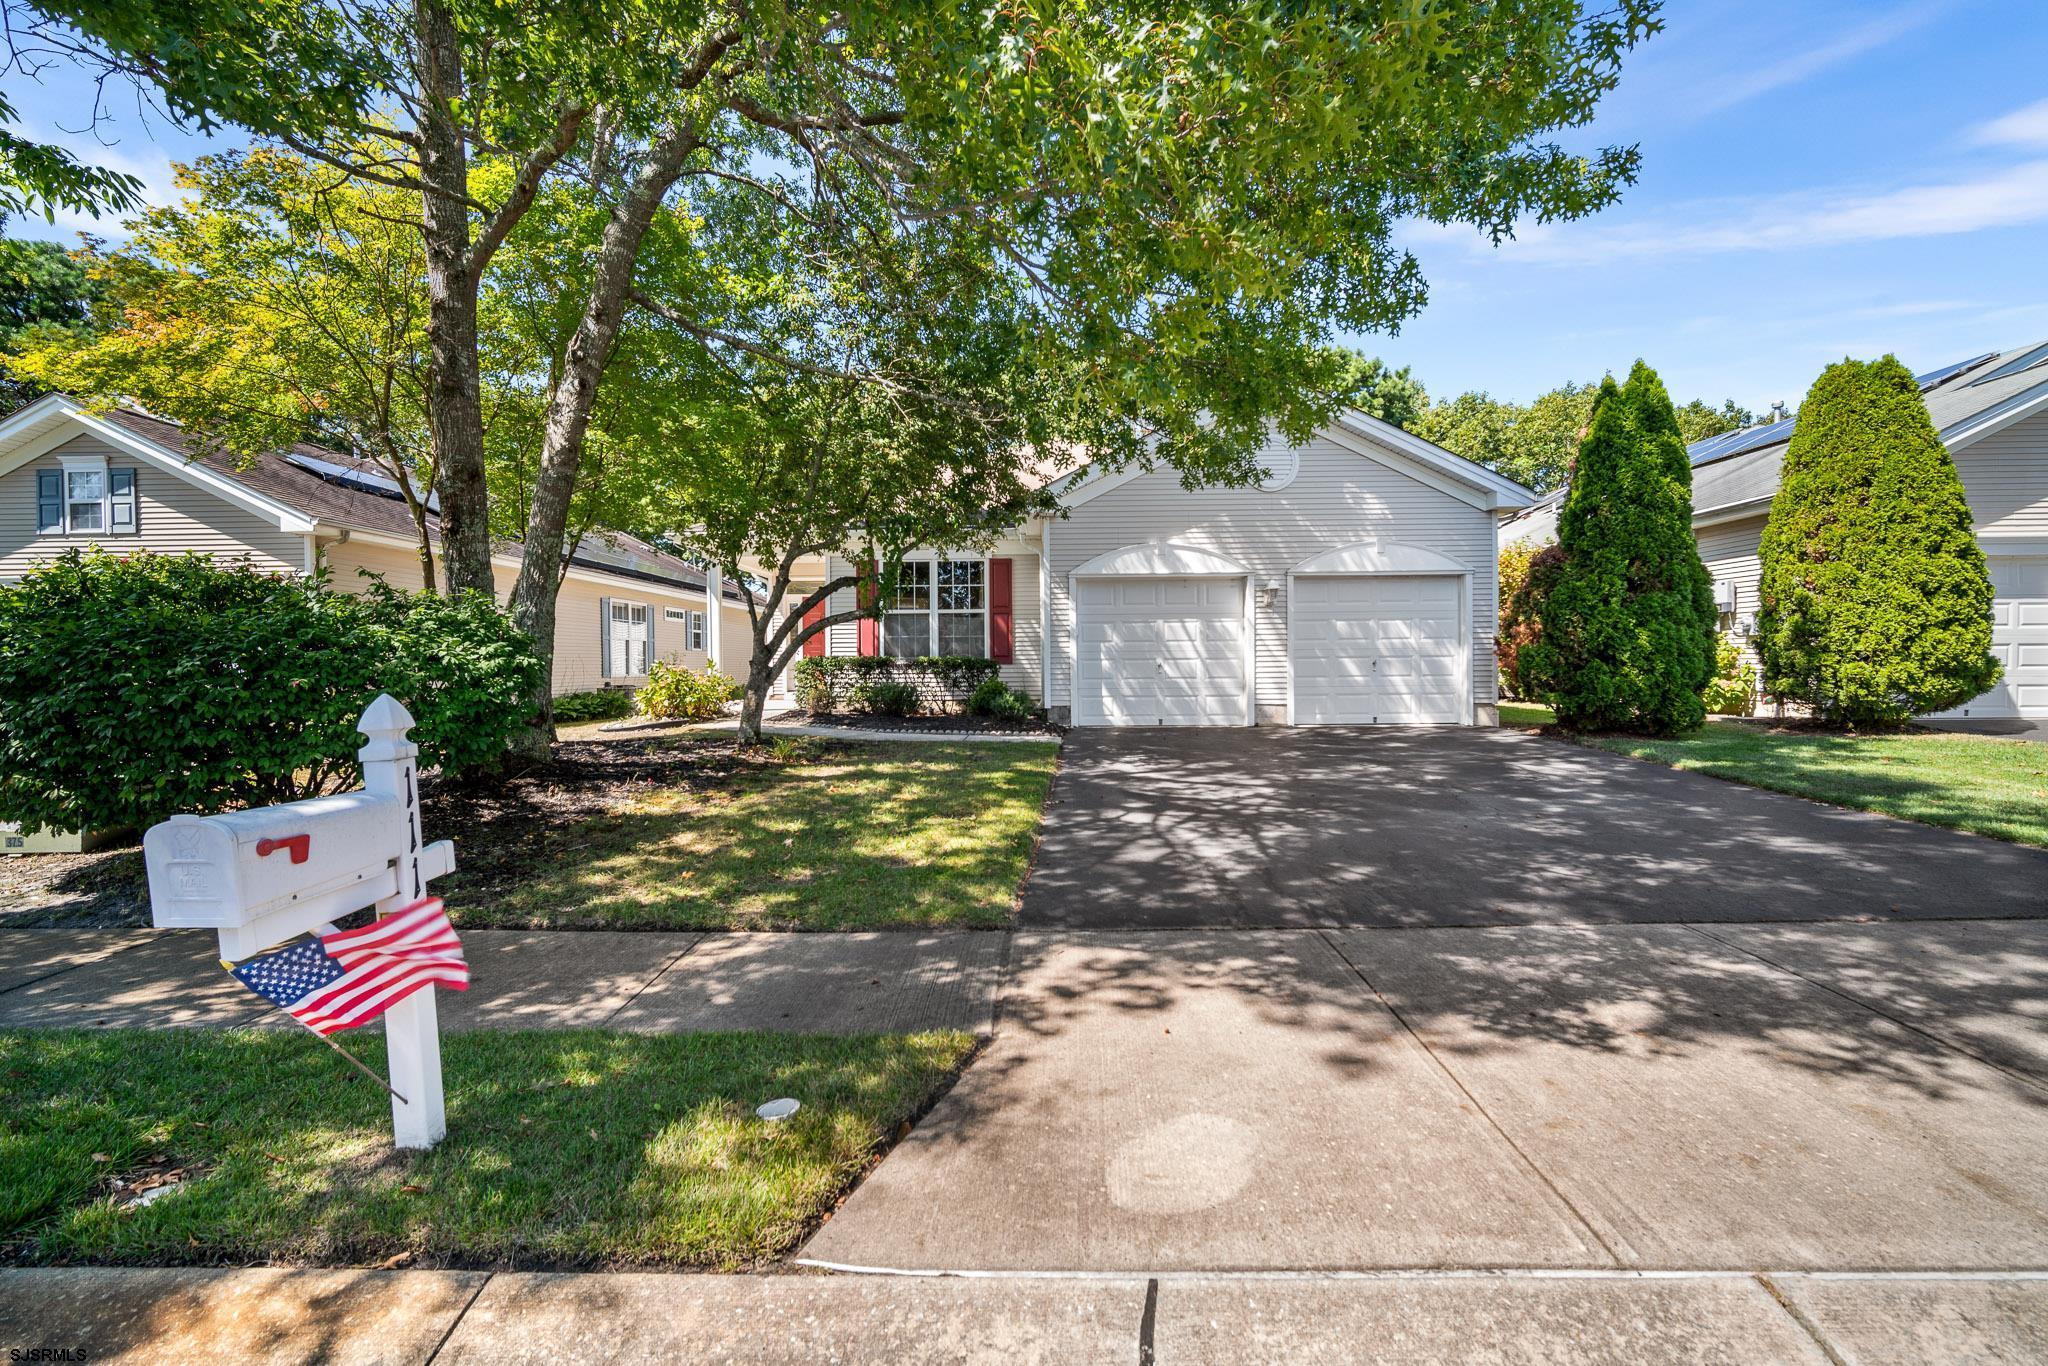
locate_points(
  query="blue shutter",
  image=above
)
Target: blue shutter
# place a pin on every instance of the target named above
(604, 637)
(49, 500)
(121, 502)
(652, 613)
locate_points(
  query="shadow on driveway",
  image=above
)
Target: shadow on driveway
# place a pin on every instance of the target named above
(1409, 827)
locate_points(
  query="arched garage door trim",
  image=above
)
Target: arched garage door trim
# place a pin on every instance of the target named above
(1161, 560)
(1390, 559)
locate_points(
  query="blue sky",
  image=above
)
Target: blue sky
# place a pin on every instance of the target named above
(1820, 178)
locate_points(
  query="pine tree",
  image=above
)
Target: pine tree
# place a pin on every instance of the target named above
(1875, 604)
(1627, 631)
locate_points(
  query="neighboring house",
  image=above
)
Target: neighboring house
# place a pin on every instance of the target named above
(1355, 586)
(1992, 413)
(124, 480)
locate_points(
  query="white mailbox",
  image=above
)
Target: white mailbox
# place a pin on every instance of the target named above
(262, 876)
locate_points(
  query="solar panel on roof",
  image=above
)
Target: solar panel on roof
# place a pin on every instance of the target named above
(1948, 372)
(1735, 443)
(2026, 360)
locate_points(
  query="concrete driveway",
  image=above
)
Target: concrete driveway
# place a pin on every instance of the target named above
(1401, 827)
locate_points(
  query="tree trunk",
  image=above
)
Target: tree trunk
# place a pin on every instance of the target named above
(454, 387)
(573, 395)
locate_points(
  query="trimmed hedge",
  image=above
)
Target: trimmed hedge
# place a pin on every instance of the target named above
(1874, 603)
(136, 688)
(839, 682)
(604, 704)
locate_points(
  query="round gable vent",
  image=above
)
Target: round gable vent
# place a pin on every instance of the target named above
(1281, 468)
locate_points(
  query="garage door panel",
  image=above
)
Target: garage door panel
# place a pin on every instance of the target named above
(2019, 638)
(1385, 650)
(1160, 652)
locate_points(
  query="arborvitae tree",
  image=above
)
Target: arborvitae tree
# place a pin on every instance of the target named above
(1627, 636)
(1675, 593)
(1874, 603)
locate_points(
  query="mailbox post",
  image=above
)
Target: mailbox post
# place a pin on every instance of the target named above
(268, 874)
(412, 1029)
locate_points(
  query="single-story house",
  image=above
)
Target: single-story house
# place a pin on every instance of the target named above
(1355, 586)
(1992, 414)
(125, 480)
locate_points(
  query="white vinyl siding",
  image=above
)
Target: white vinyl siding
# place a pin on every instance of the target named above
(2006, 477)
(1338, 498)
(168, 512)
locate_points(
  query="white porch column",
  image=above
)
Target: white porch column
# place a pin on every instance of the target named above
(714, 597)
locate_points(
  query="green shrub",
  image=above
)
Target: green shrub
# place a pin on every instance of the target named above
(1733, 689)
(886, 698)
(1874, 602)
(998, 701)
(605, 704)
(674, 692)
(1526, 575)
(1626, 633)
(834, 682)
(135, 688)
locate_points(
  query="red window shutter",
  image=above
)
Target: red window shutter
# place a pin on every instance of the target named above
(1002, 621)
(870, 629)
(814, 648)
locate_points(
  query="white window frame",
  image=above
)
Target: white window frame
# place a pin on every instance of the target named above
(932, 609)
(613, 640)
(71, 466)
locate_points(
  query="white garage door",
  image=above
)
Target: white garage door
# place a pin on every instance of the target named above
(1160, 652)
(1379, 650)
(2019, 637)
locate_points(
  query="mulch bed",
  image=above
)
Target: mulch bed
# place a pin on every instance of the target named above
(929, 725)
(499, 828)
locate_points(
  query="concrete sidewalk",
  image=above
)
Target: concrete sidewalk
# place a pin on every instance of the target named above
(275, 1315)
(1644, 1097)
(563, 979)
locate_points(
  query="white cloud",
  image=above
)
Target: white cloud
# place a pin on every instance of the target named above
(2026, 127)
(1728, 91)
(2003, 198)
(152, 168)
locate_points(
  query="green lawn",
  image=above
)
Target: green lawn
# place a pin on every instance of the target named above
(1965, 782)
(579, 1148)
(838, 837)
(1526, 714)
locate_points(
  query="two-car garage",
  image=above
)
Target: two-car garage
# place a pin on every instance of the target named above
(1375, 634)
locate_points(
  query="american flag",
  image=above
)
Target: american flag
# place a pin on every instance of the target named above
(348, 978)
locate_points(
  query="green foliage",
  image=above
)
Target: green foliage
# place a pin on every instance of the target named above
(1626, 633)
(1732, 692)
(1698, 420)
(1534, 443)
(828, 683)
(1526, 575)
(674, 692)
(603, 704)
(135, 688)
(1875, 603)
(1370, 385)
(999, 701)
(887, 697)
(45, 291)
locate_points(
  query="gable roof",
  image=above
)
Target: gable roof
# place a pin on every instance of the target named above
(1360, 433)
(309, 489)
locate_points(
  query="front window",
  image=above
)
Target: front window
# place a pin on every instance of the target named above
(628, 639)
(907, 619)
(940, 607)
(85, 496)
